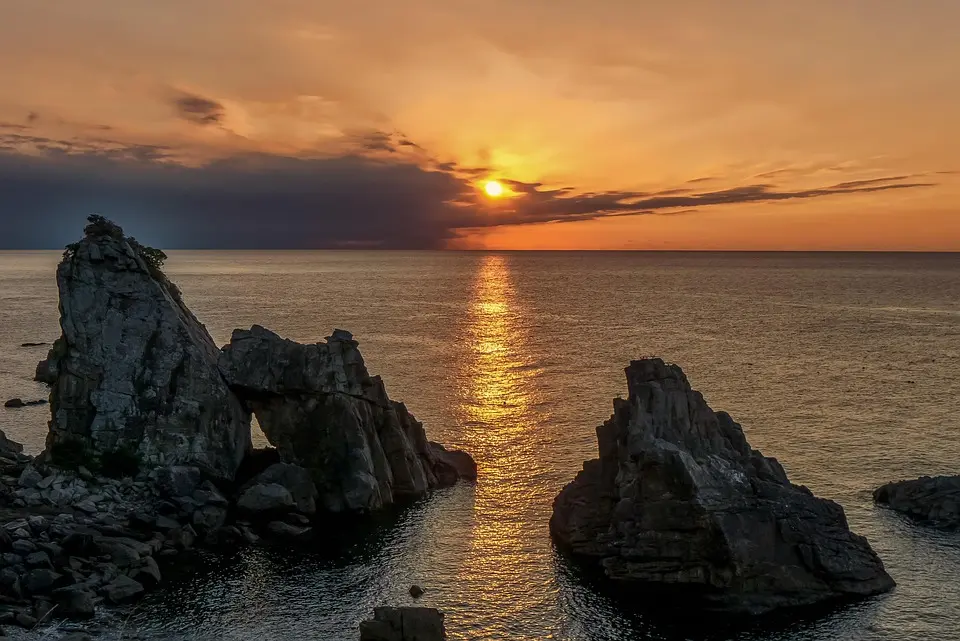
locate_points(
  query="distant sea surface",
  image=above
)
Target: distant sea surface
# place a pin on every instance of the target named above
(845, 367)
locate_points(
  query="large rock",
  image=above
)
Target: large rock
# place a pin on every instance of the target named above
(295, 479)
(679, 502)
(135, 371)
(404, 624)
(934, 500)
(321, 409)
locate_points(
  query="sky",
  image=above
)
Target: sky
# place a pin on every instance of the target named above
(611, 124)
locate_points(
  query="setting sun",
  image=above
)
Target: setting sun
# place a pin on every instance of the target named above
(493, 188)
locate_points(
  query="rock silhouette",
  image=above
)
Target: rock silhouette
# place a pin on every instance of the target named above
(134, 371)
(679, 502)
(324, 412)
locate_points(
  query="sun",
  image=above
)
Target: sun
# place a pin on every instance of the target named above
(493, 188)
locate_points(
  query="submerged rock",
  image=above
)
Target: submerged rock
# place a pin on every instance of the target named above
(134, 371)
(935, 500)
(321, 409)
(678, 501)
(404, 624)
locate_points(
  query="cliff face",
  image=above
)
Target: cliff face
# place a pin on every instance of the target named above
(321, 409)
(678, 498)
(134, 371)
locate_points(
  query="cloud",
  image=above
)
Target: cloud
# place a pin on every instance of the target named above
(199, 110)
(33, 117)
(350, 200)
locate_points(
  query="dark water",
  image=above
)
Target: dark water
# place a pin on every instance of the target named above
(845, 367)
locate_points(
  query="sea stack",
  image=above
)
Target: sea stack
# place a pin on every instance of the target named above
(680, 503)
(134, 375)
(323, 411)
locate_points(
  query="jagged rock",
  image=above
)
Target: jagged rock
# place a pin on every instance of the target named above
(9, 447)
(295, 479)
(323, 411)
(935, 500)
(134, 371)
(404, 624)
(680, 503)
(30, 478)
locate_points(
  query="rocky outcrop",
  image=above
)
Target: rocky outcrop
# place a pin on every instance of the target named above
(324, 412)
(404, 624)
(135, 372)
(934, 500)
(679, 501)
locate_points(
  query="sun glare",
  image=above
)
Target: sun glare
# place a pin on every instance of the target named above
(493, 188)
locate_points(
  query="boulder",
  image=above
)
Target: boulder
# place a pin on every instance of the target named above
(122, 589)
(679, 505)
(404, 624)
(268, 498)
(74, 601)
(40, 581)
(134, 375)
(295, 479)
(934, 500)
(321, 409)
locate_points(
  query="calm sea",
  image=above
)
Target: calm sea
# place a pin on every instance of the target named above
(846, 367)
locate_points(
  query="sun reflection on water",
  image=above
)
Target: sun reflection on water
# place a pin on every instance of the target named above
(499, 408)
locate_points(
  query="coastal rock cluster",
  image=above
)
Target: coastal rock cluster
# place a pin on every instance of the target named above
(680, 502)
(323, 411)
(149, 449)
(934, 500)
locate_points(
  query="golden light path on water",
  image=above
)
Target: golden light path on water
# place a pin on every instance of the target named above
(499, 412)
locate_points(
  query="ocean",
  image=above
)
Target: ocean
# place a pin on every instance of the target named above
(845, 367)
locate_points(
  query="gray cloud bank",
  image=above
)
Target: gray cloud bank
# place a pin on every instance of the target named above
(264, 201)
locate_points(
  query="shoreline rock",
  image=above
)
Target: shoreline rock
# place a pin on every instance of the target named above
(325, 413)
(134, 373)
(678, 502)
(149, 455)
(404, 624)
(931, 500)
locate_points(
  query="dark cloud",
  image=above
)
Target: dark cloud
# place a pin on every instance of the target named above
(33, 117)
(384, 141)
(264, 201)
(199, 110)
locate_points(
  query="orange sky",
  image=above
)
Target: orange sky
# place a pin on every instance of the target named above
(691, 97)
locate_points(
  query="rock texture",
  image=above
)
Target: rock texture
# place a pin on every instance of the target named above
(134, 370)
(324, 412)
(680, 502)
(935, 500)
(404, 624)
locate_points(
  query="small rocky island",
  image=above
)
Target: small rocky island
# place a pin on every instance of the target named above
(934, 500)
(679, 504)
(149, 450)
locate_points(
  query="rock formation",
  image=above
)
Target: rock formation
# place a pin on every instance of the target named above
(934, 500)
(324, 412)
(404, 624)
(135, 372)
(679, 501)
